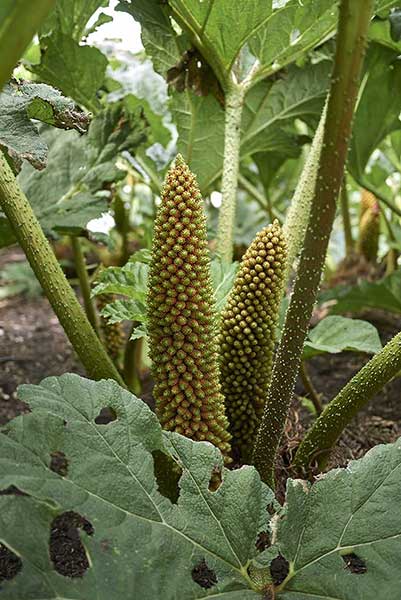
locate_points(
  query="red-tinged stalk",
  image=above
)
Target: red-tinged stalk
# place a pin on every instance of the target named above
(354, 18)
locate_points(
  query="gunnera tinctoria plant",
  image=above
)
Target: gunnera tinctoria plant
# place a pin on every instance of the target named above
(181, 316)
(247, 335)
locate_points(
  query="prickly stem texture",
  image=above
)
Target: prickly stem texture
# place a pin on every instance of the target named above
(112, 333)
(232, 138)
(298, 214)
(181, 316)
(41, 257)
(325, 431)
(369, 227)
(351, 41)
(247, 336)
(17, 30)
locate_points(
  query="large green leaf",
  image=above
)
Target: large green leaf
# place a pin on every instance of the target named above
(223, 276)
(70, 17)
(22, 101)
(269, 114)
(291, 30)
(67, 63)
(142, 545)
(158, 37)
(64, 195)
(383, 76)
(77, 70)
(335, 334)
(341, 536)
(338, 539)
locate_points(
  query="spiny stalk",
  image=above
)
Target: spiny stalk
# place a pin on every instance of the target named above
(354, 19)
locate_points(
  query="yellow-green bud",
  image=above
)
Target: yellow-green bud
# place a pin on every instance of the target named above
(247, 335)
(181, 316)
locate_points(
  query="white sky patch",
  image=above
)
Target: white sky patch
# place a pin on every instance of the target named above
(103, 224)
(123, 27)
(279, 4)
(216, 199)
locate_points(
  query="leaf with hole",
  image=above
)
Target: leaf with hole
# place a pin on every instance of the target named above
(112, 502)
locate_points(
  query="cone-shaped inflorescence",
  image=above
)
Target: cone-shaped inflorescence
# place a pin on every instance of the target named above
(247, 335)
(369, 227)
(181, 317)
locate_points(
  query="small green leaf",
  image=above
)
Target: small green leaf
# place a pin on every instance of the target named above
(335, 334)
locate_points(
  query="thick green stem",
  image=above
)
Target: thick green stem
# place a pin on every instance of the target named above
(84, 284)
(338, 413)
(351, 41)
(52, 279)
(349, 242)
(298, 214)
(232, 138)
(19, 21)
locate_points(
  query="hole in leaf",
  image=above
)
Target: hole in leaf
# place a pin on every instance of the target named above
(354, 564)
(279, 568)
(67, 552)
(12, 491)
(167, 474)
(263, 541)
(203, 575)
(59, 463)
(106, 416)
(270, 509)
(10, 564)
(216, 479)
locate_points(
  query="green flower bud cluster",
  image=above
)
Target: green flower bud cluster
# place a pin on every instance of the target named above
(181, 316)
(112, 333)
(369, 227)
(247, 335)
